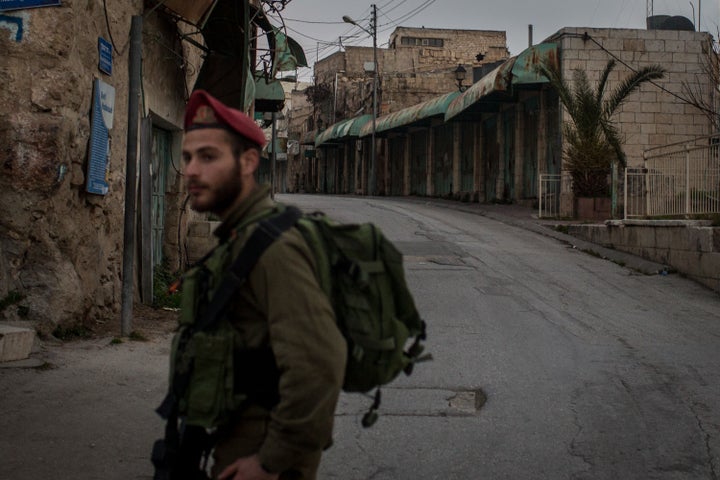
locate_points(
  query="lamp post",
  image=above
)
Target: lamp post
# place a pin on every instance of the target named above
(460, 76)
(373, 34)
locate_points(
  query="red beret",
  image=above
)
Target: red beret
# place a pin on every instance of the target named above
(205, 111)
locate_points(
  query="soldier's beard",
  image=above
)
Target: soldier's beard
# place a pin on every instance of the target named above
(223, 195)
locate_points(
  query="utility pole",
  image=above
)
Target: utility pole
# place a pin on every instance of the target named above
(128, 276)
(372, 180)
(373, 33)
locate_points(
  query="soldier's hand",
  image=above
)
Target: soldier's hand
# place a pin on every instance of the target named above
(247, 468)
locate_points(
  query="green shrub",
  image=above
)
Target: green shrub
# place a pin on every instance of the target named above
(72, 332)
(163, 278)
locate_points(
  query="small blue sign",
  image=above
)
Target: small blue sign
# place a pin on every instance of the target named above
(105, 55)
(20, 4)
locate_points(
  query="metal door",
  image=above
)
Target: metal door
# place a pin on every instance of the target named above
(396, 157)
(467, 159)
(443, 159)
(418, 163)
(161, 157)
(508, 193)
(530, 148)
(491, 159)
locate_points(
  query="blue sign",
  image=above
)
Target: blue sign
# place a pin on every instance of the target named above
(105, 55)
(20, 4)
(101, 122)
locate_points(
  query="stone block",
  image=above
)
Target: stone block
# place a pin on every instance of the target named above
(710, 266)
(700, 239)
(198, 229)
(15, 343)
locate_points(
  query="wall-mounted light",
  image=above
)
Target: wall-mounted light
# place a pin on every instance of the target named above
(460, 73)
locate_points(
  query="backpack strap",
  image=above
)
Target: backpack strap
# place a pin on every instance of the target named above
(267, 231)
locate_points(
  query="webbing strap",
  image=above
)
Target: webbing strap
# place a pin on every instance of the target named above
(374, 266)
(267, 231)
(374, 344)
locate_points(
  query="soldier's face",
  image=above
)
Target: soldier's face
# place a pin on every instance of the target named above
(213, 175)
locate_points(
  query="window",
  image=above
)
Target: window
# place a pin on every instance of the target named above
(425, 42)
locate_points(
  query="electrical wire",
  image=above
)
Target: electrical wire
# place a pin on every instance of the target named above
(409, 15)
(652, 82)
(112, 40)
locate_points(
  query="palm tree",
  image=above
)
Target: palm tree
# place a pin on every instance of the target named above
(594, 143)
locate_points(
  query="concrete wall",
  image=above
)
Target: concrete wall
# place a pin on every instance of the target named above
(690, 247)
(60, 246)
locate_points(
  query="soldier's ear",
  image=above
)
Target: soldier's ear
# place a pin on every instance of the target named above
(250, 161)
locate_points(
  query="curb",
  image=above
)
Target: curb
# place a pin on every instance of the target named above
(623, 259)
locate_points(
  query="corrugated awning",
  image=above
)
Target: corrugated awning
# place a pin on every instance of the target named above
(410, 115)
(341, 130)
(518, 70)
(269, 94)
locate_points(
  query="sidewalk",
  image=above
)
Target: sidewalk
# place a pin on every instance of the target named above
(527, 218)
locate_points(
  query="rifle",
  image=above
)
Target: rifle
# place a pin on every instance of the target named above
(183, 453)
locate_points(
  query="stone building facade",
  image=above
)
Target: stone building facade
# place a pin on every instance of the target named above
(660, 113)
(61, 247)
(493, 142)
(419, 64)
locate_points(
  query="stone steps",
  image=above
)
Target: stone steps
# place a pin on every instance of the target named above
(15, 343)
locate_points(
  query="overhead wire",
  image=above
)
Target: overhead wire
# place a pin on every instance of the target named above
(652, 82)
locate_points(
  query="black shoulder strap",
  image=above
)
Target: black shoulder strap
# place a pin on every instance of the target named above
(267, 231)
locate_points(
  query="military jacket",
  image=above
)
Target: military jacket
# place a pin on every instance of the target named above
(280, 309)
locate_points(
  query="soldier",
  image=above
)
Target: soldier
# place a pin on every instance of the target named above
(287, 354)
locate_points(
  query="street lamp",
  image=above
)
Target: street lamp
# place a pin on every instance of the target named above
(460, 76)
(373, 34)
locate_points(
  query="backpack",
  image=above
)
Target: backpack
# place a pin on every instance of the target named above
(362, 274)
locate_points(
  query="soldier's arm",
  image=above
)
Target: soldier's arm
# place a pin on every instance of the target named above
(309, 350)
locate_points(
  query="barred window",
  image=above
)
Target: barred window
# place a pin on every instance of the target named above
(424, 42)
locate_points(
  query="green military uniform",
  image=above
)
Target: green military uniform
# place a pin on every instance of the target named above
(281, 306)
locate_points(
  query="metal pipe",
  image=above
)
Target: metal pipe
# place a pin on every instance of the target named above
(273, 154)
(130, 175)
(530, 35)
(372, 181)
(373, 33)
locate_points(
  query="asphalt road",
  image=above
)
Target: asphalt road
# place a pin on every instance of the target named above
(549, 363)
(590, 370)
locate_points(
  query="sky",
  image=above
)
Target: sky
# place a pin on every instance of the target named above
(317, 24)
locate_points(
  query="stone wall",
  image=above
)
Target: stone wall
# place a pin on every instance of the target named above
(652, 116)
(408, 75)
(60, 246)
(690, 247)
